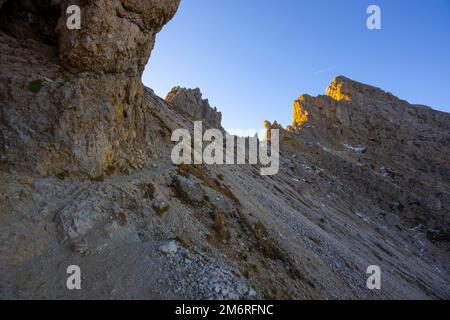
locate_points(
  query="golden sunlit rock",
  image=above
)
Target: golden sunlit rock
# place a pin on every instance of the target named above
(337, 90)
(300, 114)
(269, 126)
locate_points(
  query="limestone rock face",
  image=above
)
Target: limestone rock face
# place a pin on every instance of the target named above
(190, 101)
(116, 36)
(74, 98)
(300, 114)
(395, 153)
(344, 89)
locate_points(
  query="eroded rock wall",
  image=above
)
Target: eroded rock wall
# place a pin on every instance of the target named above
(76, 106)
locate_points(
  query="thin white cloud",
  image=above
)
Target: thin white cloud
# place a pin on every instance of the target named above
(322, 71)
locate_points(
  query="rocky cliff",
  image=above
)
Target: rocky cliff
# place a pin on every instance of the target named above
(73, 99)
(87, 179)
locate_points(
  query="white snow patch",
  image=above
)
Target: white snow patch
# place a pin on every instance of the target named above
(355, 149)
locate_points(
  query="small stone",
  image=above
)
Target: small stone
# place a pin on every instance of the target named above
(242, 288)
(169, 248)
(24, 181)
(251, 292)
(80, 247)
(233, 296)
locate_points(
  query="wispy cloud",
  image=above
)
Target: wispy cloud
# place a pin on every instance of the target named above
(322, 71)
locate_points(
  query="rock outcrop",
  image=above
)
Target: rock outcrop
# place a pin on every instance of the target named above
(116, 37)
(76, 105)
(190, 101)
(394, 152)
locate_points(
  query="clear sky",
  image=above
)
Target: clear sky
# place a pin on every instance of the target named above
(252, 58)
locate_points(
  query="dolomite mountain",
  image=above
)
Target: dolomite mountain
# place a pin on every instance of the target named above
(87, 180)
(190, 102)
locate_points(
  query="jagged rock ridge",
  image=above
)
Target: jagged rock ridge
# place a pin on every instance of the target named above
(399, 149)
(190, 101)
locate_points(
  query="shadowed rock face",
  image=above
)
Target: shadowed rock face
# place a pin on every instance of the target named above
(190, 101)
(77, 107)
(35, 20)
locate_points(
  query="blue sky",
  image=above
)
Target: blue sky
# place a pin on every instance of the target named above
(252, 58)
